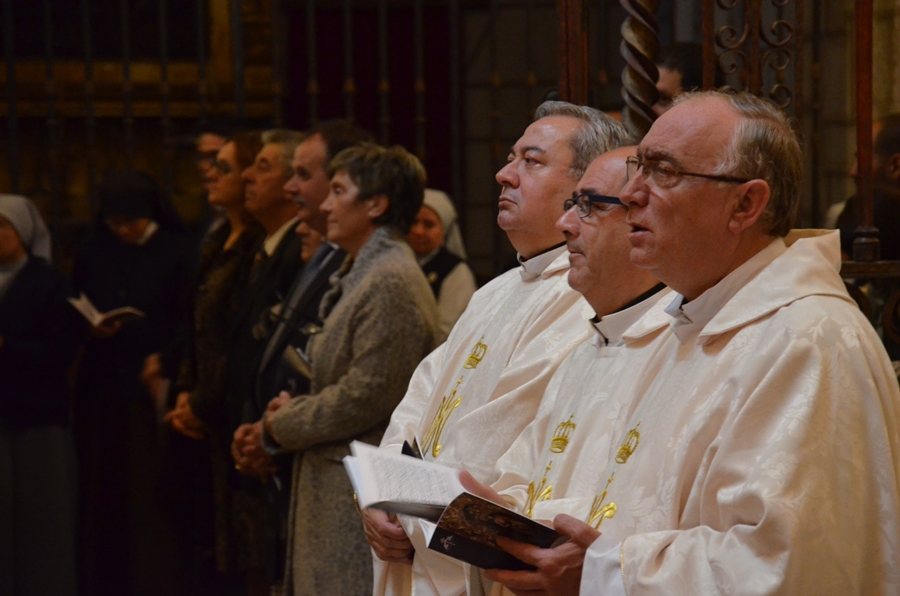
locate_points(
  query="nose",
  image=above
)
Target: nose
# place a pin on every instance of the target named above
(247, 174)
(569, 223)
(507, 175)
(291, 185)
(325, 207)
(635, 191)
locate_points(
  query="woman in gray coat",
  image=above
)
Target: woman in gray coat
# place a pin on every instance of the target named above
(380, 321)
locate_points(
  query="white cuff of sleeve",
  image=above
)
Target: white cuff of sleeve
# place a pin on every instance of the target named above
(602, 572)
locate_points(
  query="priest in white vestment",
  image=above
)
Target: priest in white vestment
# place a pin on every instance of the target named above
(755, 449)
(470, 399)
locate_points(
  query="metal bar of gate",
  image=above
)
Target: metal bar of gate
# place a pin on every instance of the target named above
(13, 123)
(202, 84)
(455, 107)
(279, 44)
(420, 79)
(349, 83)
(384, 85)
(312, 87)
(90, 121)
(128, 118)
(530, 77)
(237, 53)
(164, 97)
(865, 243)
(52, 122)
(496, 147)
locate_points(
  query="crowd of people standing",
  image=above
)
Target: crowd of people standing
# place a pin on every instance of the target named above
(673, 375)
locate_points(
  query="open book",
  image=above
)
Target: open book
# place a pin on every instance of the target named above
(467, 526)
(96, 318)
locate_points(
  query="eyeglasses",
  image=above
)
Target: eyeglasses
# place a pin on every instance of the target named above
(223, 166)
(665, 176)
(584, 202)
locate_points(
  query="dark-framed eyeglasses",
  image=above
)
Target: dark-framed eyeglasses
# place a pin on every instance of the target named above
(665, 176)
(584, 202)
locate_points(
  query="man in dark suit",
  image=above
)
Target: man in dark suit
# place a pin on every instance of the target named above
(308, 187)
(298, 315)
(277, 263)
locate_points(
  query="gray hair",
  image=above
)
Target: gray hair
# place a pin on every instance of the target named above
(598, 134)
(764, 147)
(288, 141)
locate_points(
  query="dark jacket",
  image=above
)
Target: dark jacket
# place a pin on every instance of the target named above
(40, 332)
(152, 277)
(221, 276)
(269, 282)
(297, 315)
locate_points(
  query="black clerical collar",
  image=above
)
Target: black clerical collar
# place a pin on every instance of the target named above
(613, 325)
(522, 260)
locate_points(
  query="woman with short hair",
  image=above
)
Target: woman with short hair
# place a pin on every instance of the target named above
(380, 320)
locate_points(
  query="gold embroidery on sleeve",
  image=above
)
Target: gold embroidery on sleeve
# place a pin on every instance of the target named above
(433, 436)
(541, 492)
(560, 439)
(599, 511)
(476, 356)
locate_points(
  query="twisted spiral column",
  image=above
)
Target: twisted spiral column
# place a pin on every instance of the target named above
(639, 47)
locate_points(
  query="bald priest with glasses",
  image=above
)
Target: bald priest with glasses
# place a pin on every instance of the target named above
(753, 448)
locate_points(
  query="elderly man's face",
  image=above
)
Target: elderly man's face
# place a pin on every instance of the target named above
(265, 181)
(680, 233)
(536, 181)
(309, 186)
(598, 244)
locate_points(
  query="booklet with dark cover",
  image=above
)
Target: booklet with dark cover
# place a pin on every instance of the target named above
(466, 527)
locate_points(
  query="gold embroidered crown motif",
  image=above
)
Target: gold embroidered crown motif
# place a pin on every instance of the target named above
(476, 356)
(632, 440)
(561, 437)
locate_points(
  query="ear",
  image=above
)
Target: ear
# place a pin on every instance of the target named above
(377, 206)
(749, 206)
(892, 167)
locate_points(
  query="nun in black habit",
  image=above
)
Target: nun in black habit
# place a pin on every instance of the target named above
(136, 255)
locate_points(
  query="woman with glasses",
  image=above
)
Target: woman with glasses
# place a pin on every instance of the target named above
(226, 258)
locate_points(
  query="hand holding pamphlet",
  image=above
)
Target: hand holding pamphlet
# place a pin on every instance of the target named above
(467, 526)
(87, 309)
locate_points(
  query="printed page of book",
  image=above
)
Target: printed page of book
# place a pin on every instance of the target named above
(401, 483)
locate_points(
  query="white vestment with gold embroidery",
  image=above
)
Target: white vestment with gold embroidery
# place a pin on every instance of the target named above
(769, 452)
(477, 391)
(548, 459)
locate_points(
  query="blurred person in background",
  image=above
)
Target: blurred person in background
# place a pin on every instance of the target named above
(39, 334)
(437, 242)
(136, 255)
(380, 321)
(275, 264)
(224, 267)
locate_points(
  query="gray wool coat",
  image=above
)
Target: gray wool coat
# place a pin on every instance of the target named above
(380, 322)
